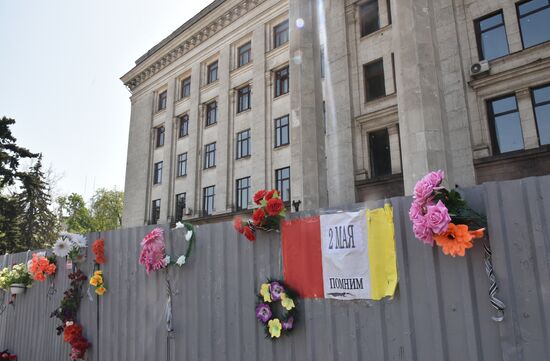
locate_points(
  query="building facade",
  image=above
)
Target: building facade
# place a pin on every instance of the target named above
(335, 101)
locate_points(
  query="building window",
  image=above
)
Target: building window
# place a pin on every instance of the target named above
(211, 113)
(155, 211)
(380, 158)
(281, 131)
(369, 17)
(208, 194)
(212, 72)
(209, 155)
(505, 124)
(180, 206)
(243, 99)
(282, 183)
(243, 144)
(534, 22)
(281, 82)
(280, 34)
(186, 87)
(157, 175)
(322, 56)
(243, 193)
(184, 125)
(162, 100)
(182, 165)
(541, 102)
(375, 86)
(388, 8)
(492, 42)
(244, 54)
(159, 137)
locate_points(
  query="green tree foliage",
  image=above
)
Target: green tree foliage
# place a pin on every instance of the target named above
(10, 237)
(10, 154)
(106, 209)
(73, 214)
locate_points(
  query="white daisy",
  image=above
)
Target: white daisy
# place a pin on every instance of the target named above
(181, 260)
(188, 235)
(79, 240)
(61, 247)
(179, 225)
(166, 261)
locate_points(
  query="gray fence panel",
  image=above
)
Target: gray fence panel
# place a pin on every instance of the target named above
(440, 311)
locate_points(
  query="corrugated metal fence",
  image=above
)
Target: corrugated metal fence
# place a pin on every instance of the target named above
(441, 310)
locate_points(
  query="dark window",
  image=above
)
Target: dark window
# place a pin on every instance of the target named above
(184, 125)
(380, 159)
(208, 194)
(212, 72)
(186, 87)
(162, 100)
(388, 8)
(157, 175)
(281, 82)
(243, 193)
(243, 99)
(211, 113)
(375, 86)
(209, 155)
(282, 183)
(182, 164)
(393, 73)
(180, 206)
(505, 124)
(160, 137)
(245, 54)
(369, 17)
(280, 34)
(243, 144)
(492, 42)
(322, 56)
(541, 102)
(534, 22)
(155, 211)
(281, 131)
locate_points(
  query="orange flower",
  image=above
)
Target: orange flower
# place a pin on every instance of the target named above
(98, 247)
(457, 239)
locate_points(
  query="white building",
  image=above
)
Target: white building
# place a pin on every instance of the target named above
(335, 101)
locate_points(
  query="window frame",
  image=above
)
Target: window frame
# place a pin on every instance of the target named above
(365, 80)
(238, 193)
(183, 125)
(519, 17)
(279, 29)
(181, 163)
(155, 211)
(162, 100)
(210, 69)
(491, 118)
(177, 206)
(160, 136)
(240, 144)
(206, 200)
(157, 173)
(185, 84)
(241, 95)
(372, 157)
(535, 105)
(210, 155)
(209, 121)
(479, 33)
(279, 130)
(362, 31)
(279, 80)
(281, 181)
(241, 54)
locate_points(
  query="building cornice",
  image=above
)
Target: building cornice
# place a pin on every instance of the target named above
(175, 50)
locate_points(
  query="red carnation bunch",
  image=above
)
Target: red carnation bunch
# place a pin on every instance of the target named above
(267, 217)
(98, 247)
(73, 335)
(5, 355)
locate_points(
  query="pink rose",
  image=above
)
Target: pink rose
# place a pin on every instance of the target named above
(434, 178)
(422, 231)
(415, 211)
(423, 191)
(437, 217)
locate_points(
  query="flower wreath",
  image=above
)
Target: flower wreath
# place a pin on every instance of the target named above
(274, 324)
(153, 252)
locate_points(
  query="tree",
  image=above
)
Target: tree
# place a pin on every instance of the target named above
(10, 154)
(106, 209)
(74, 215)
(10, 238)
(37, 222)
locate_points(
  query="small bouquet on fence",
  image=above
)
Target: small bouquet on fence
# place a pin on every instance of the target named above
(5, 355)
(16, 279)
(267, 217)
(71, 245)
(41, 266)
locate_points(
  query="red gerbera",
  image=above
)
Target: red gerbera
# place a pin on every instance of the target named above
(259, 196)
(249, 233)
(258, 216)
(274, 206)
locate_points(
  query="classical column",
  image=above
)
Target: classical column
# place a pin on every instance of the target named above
(194, 169)
(433, 117)
(308, 165)
(527, 116)
(167, 203)
(223, 152)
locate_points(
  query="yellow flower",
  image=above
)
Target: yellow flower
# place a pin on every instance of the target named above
(96, 280)
(100, 290)
(287, 302)
(98, 272)
(275, 327)
(264, 292)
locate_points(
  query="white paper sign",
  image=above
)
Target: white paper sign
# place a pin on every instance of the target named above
(345, 256)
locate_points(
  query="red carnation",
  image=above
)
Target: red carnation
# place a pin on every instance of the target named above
(259, 196)
(238, 224)
(249, 233)
(272, 193)
(258, 216)
(274, 206)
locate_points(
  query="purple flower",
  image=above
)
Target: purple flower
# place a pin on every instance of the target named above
(415, 211)
(434, 178)
(423, 191)
(437, 218)
(288, 324)
(422, 231)
(276, 290)
(263, 312)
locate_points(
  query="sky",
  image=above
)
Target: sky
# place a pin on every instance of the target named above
(60, 69)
